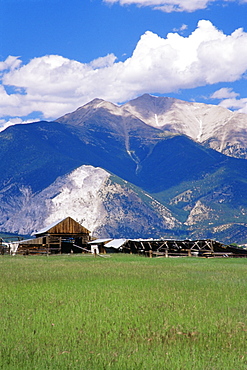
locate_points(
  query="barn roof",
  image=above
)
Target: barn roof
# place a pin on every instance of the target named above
(116, 243)
(47, 228)
(100, 241)
(65, 226)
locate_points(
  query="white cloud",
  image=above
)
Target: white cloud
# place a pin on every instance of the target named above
(236, 104)
(181, 29)
(229, 99)
(14, 121)
(224, 93)
(166, 5)
(169, 6)
(107, 61)
(55, 85)
(10, 63)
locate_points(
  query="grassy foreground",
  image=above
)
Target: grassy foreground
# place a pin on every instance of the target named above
(123, 312)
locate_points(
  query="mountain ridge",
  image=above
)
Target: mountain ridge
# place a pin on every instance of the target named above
(211, 125)
(202, 189)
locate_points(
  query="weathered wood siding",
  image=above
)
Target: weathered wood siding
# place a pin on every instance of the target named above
(33, 241)
(68, 227)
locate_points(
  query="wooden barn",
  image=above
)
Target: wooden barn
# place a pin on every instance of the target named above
(64, 236)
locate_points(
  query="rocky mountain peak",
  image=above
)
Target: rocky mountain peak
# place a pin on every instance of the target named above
(211, 125)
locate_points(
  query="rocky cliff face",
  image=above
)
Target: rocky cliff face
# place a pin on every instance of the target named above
(102, 203)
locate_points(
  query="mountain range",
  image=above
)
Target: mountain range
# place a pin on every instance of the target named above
(152, 167)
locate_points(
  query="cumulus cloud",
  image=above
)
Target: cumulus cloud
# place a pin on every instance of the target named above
(10, 63)
(55, 85)
(237, 104)
(229, 99)
(224, 93)
(107, 61)
(169, 6)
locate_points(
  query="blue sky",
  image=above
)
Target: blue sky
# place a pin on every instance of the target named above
(56, 55)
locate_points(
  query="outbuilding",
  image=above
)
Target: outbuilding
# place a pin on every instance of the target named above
(63, 236)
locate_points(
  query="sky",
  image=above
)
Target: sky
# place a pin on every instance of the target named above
(57, 55)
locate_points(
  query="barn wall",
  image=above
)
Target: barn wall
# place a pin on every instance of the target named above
(68, 226)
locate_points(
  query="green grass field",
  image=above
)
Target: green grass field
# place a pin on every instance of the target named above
(123, 312)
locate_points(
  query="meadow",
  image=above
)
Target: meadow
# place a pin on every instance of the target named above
(123, 312)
